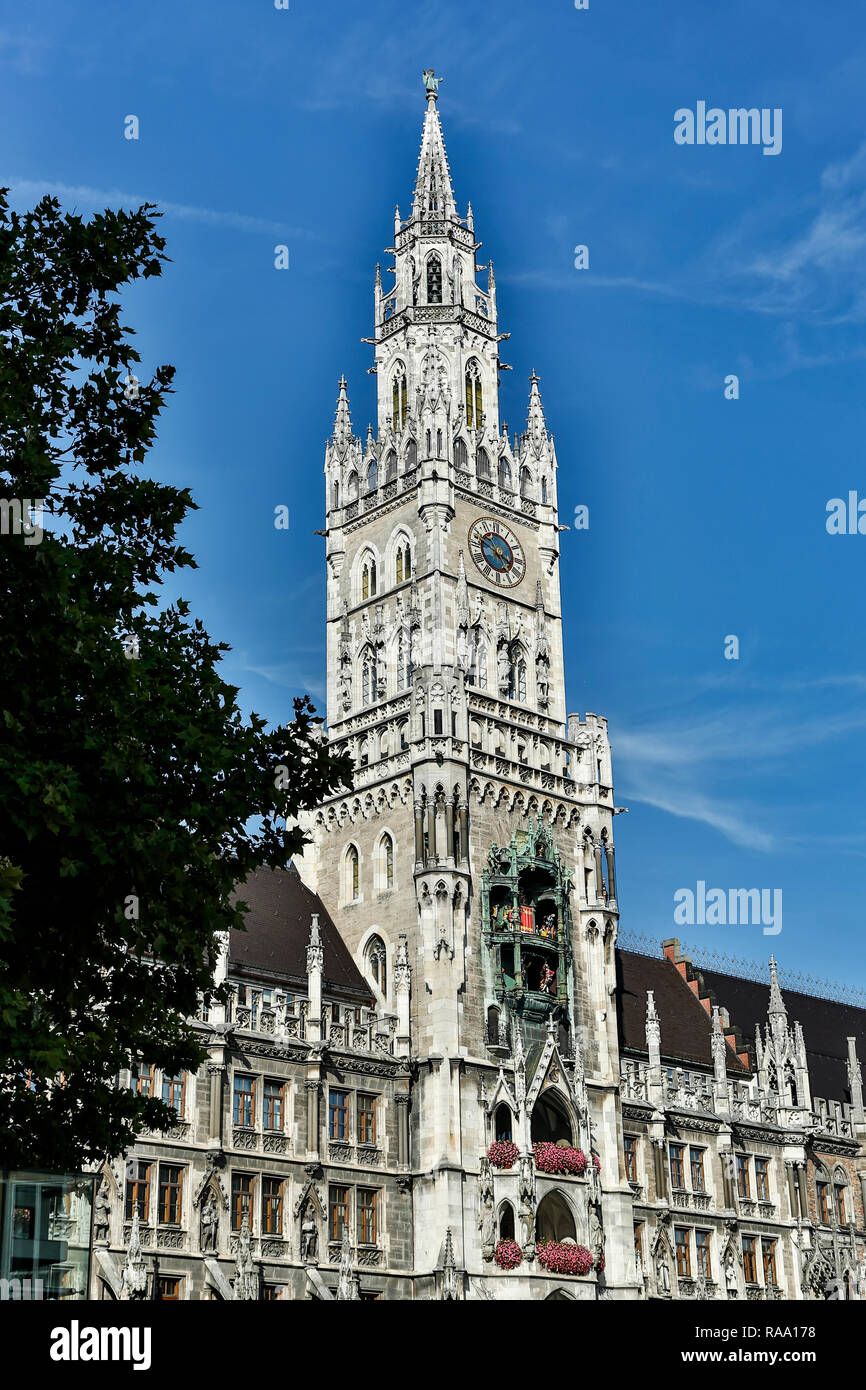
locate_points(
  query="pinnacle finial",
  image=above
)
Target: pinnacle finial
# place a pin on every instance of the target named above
(777, 1004)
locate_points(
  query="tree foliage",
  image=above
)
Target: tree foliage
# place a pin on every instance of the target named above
(134, 794)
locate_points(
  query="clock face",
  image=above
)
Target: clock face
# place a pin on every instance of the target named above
(496, 552)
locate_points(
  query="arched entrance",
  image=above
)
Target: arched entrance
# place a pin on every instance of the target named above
(555, 1219)
(551, 1120)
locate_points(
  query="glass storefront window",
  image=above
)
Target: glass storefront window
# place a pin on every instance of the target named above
(45, 1223)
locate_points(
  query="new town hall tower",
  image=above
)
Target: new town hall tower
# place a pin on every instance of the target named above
(475, 854)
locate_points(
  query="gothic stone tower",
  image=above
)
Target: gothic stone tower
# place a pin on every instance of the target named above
(480, 822)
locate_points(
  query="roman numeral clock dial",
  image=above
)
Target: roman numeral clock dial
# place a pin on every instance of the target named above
(496, 552)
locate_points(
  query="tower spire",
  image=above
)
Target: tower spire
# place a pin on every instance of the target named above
(342, 435)
(434, 196)
(777, 1004)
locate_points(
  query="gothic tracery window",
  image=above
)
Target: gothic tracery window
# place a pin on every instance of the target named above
(399, 398)
(372, 476)
(375, 960)
(434, 280)
(482, 464)
(353, 867)
(505, 474)
(460, 454)
(390, 466)
(387, 862)
(402, 562)
(368, 578)
(474, 399)
(368, 677)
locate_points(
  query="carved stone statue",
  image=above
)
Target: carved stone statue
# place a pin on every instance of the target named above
(527, 1228)
(487, 1226)
(526, 1188)
(541, 684)
(133, 1276)
(246, 1282)
(503, 670)
(102, 1214)
(663, 1274)
(730, 1274)
(309, 1236)
(431, 82)
(207, 1225)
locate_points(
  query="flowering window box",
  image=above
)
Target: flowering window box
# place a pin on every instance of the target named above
(559, 1258)
(503, 1153)
(559, 1161)
(508, 1254)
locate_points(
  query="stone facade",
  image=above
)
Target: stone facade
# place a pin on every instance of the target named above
(522, 1134)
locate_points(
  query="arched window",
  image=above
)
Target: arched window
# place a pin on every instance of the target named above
(335, 494)
(404, 726)
(353, 874)
(439, 444)
(525, 483)
(399, 397)
(429, 444)
(372, 476)
(363, 753)
(505, 474)
(506, 1221)
(375, 962)
(550, 1120)
(411, 454)
(461, 457)
(474, 399)
(493, 1032)
(502, 1119)
(352, 487)
(434, 280)
(402, 562)
(842, 1207)
(387, 862)
(554, 1219)
(384, 745)
(482, 464)
(390, 466)
(544, 490)
(369, 676)
(368, 578)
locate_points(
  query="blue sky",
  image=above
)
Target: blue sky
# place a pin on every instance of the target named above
(707, 516)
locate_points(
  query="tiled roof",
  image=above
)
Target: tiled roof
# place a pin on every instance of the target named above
(826, 1025)
(278, 930)
(686, 1028)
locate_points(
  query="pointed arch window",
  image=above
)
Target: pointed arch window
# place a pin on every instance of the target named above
(525, 483)
(390, 466)
(368, 578)
(353, 874)
(474, 397)
(482, 464)
(402, 562)
(387, 862)
(376, 963)
(461, 457)
(411, 455)
(505, 474)
(372, 476)
(335, 494)
(352, 487)
(544, 490)
(399, 398)
(434, 280)
(517, 684)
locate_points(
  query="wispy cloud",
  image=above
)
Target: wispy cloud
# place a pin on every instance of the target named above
(81, 195)
(693, 767)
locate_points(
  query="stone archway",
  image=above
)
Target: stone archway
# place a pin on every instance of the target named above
(551, 1121)
(555, 1219)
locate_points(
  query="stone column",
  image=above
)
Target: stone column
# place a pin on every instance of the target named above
(464, 830)
(611, 874)
(792, 1190)
(419, 833)
(599, 874)
(401, 1100)
(315, 963)
(313, 1087)
(449, 829)
(804, 1196)
(216, 1071)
